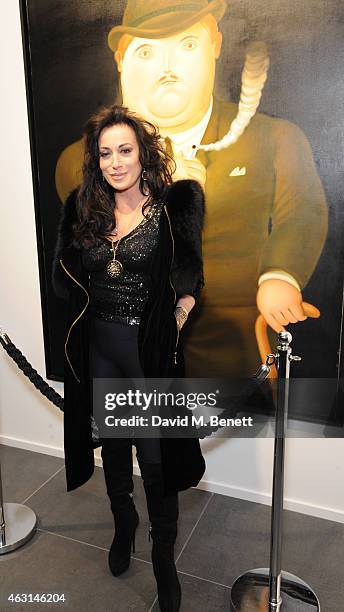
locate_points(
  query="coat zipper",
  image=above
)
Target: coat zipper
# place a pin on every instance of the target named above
(77, 319)
(174, 291)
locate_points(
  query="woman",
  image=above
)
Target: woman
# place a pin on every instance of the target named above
(128, 262)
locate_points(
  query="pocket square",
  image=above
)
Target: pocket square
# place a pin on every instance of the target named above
(238, 171)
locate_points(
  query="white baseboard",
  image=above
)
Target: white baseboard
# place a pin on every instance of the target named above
(330, 514)
(45, 449)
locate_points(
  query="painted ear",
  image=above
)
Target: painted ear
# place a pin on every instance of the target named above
(119, 60)
(217, 44)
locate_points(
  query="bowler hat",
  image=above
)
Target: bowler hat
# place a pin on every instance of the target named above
(160, 18)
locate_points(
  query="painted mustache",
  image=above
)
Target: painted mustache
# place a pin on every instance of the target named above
(168, 78)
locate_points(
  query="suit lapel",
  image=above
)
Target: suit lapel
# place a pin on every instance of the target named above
(214, 132)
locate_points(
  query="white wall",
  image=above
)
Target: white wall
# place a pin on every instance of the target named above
(241, 468)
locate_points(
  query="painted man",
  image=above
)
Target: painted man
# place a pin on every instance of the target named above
(266, 219)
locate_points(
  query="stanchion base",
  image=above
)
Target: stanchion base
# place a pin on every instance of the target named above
(20, 526)
(250, 593)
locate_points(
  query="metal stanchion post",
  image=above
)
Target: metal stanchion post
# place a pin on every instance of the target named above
(271, 589)
(17, 522)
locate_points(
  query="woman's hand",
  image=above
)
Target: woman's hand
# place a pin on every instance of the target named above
(184, 305)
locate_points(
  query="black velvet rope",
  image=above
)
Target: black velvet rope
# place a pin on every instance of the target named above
(236, 405)
(31, 373)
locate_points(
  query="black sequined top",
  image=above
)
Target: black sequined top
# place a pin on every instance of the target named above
(123, 298)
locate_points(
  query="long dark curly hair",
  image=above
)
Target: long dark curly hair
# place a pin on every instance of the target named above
(96, 198)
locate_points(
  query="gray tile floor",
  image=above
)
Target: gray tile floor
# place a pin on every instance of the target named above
(219, 538)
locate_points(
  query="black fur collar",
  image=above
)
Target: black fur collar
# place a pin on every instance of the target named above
(184, 203)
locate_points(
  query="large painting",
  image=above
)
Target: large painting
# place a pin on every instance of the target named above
(246, 96)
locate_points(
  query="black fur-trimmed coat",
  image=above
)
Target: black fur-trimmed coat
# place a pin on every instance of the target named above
(176, 270)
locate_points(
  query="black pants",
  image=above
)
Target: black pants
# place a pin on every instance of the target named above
(114, 354)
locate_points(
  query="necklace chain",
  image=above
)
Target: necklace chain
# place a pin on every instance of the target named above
(139, 207)
(115, 267)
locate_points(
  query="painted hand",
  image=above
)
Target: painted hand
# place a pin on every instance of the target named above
(189, 169)
(280, 303)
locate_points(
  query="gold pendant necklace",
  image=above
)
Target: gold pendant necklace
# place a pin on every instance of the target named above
(114, 268)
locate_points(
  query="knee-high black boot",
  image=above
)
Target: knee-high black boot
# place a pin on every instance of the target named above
(163, 515)
(126, 522)
(117, 465)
